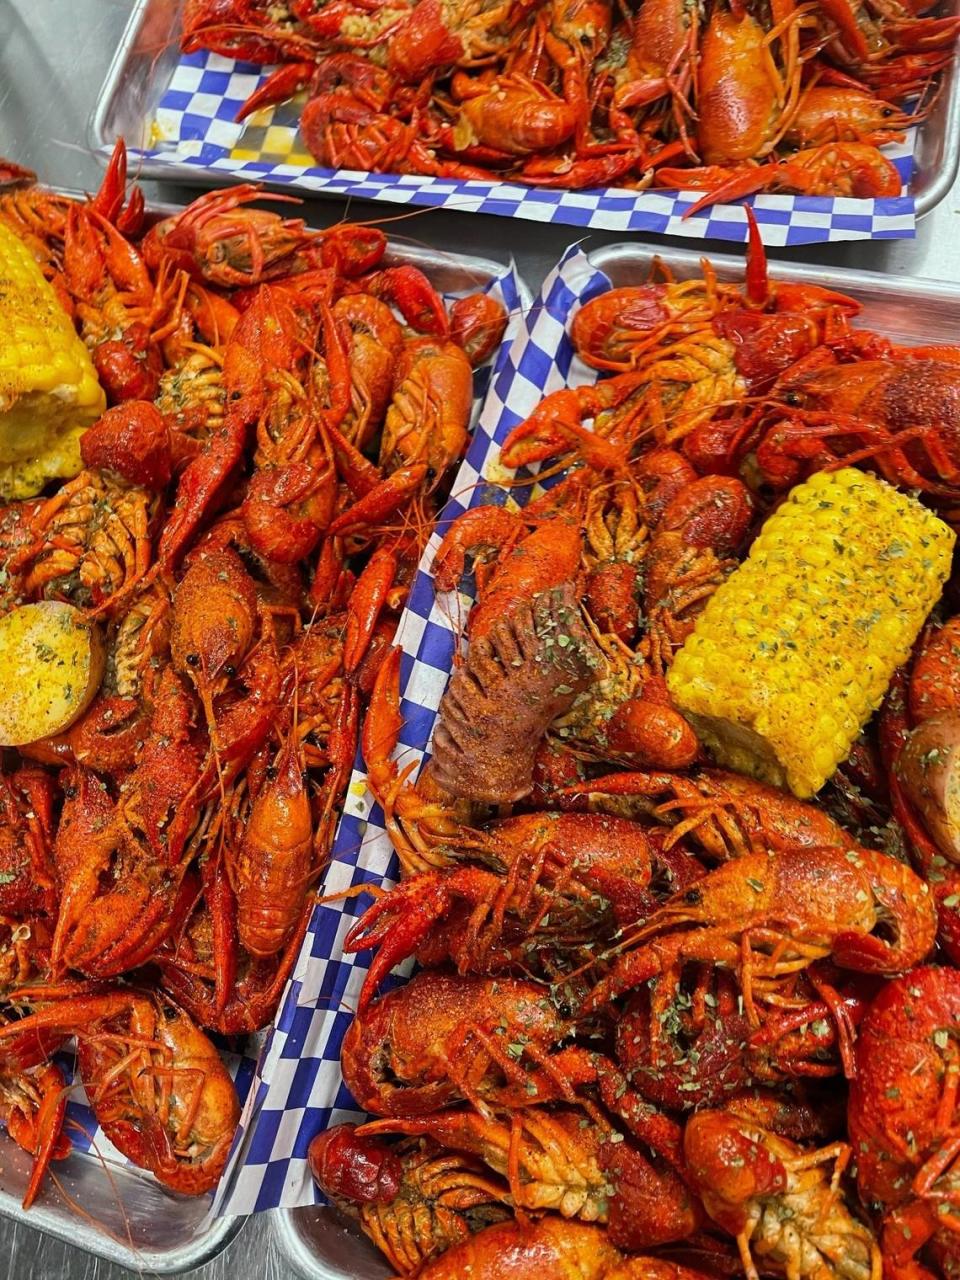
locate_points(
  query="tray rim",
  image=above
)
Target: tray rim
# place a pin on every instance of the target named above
(295, 1251)
(202, 175)
(919, 289)
(209, 1242)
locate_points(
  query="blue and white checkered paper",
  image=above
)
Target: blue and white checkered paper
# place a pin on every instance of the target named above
(194, 127)
(298, 1089)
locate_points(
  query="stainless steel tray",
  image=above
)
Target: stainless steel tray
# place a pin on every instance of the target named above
(316, 1241)
(320, 1245)
(149, 51)
(117, 1213)
(122, 1214)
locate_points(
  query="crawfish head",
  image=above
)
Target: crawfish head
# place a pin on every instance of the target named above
(427, 1044)
(519, 117)
(424, 42)
(286, 510)
(214, 615)
(888, 395)
(217, 238)
(129, 367)
(247, 246)
(133, 440)
(352, 250)
(731, 1165)
(610, 856)
(430, 411)
(776, 1196)
(185, 1144)
(611, 331)
(816, 902)
(477, 324)
(157, 1086)
(531, 1249)
(346, 1164)
(712, 511)
(737, 98)
(415, 1199)
(661, 474)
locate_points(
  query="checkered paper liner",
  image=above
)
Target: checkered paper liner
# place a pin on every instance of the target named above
(194, 128)
(299, 1089)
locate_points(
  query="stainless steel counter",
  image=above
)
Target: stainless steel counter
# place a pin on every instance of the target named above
(53, 58)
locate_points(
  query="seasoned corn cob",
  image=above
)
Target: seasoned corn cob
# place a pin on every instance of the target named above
(795, 650)
(49, 393)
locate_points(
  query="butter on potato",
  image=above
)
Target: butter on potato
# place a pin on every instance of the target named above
(51, 665)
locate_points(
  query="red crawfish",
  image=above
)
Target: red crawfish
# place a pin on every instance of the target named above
(903, 1119)
(770, 915)
(157, 1086)
(275, 860)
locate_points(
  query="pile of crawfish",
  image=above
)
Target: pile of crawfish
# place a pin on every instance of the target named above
(723, 96)
(284, 409)
(669, 1022)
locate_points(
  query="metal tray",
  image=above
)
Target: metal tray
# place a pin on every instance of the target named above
(120, 1213)
(316, 1241)
(150, 50)
(321, 1245)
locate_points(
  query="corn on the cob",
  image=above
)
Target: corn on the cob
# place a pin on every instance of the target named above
(796, 649)
(49, 393)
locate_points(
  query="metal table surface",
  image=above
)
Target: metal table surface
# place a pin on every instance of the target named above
(54, 55)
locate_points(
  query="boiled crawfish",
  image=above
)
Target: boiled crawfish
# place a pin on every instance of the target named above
(778, 1200)
(902, 1119)
(414, 1200)
(804, 905)
(156, 1084)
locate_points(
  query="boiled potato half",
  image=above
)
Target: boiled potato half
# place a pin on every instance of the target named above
(51, 665)
(929, 768)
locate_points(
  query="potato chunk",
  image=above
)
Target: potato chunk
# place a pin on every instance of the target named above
(51, 665)
(929, 768)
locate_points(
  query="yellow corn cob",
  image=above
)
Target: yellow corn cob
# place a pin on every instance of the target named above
(795, 651)
(49, 393)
